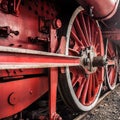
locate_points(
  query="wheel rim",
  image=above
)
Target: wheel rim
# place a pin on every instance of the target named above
(83, 33)
(112, 66)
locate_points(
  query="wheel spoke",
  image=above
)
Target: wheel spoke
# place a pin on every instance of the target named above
(84, 93)
(77, 40)
(93, 85)
(90, 89)
(84, 27)
(92, 34)
(79, 90)
(73, 52)
(88, 23)
(78, 29)
(75, 75)
(111, 52)
(95, 41)
(80, 32)
(96, 80)
(111, 72)
(76, 80)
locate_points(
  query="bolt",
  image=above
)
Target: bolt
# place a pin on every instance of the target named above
(12, 99)
(31, 92)
(86, 61)
(57, 23)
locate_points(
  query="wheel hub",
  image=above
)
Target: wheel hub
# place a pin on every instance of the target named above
(91, 61)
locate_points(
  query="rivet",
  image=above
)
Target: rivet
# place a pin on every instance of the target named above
(31, 92)
(12, 99)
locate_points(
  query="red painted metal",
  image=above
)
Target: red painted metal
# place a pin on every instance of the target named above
(54, 40)
(85, 34)
(27, 24)
(101, 9)
(112, 66)
(20, 72)
(18, 89)
(33, 25)
(53, 93)
(39, 60)
(19, 94)
(113, 35)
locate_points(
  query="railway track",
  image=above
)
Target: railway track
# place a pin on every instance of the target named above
(81, 116)
(68, 114)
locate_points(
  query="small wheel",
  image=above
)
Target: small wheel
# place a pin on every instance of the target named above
(112, 66)
(80, 87)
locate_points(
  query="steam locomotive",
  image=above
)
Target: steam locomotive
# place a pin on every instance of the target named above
(51, 47)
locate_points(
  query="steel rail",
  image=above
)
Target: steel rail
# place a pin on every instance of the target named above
(81, 116)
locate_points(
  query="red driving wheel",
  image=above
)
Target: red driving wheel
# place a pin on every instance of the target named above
(81, 86)
(112, 66)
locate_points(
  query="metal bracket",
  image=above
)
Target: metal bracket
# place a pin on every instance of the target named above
(5, 31)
